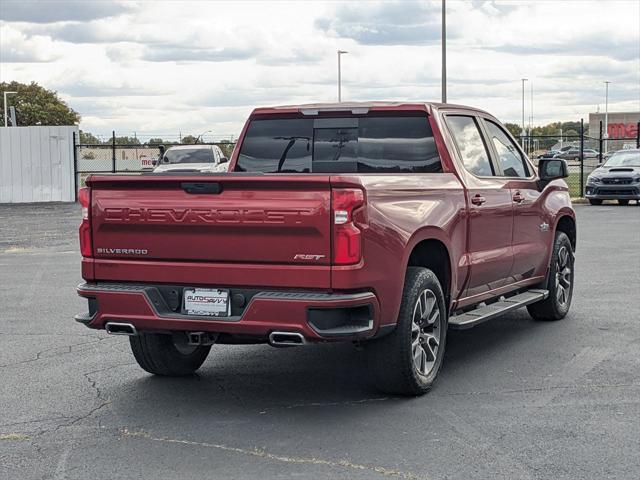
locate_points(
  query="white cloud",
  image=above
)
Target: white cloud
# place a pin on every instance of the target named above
(165, 67)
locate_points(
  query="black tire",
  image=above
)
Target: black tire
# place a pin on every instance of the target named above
(391, 358)
(166, 354)
(623, 201)
(595, 201)
(560, 285)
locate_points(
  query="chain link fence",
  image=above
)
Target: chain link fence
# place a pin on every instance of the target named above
(582, 152)
(114, 158)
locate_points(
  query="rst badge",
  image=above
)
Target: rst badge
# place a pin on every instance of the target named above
(307, 256)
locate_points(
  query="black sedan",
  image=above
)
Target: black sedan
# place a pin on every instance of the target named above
(618, 179)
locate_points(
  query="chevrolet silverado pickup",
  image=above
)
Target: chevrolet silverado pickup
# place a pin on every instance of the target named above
(382, 224)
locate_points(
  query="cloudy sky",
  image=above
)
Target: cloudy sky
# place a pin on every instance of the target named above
(163, 67)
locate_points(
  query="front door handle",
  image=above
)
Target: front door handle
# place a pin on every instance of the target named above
(478, 199)
(518, 198)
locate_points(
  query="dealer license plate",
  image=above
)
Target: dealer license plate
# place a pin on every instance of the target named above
(206, 301)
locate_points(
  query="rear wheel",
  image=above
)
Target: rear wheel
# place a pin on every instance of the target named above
(623, 202)
(407, 361)
(167, 354)
(559, 282)
(595, 201)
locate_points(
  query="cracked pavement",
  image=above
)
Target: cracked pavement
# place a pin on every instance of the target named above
(516, 398)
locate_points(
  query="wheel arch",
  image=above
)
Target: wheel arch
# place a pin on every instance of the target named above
(433, 254)
(567, 225)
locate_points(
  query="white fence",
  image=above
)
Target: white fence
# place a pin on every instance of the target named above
(36, 164)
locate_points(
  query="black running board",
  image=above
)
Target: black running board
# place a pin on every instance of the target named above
(487, 312)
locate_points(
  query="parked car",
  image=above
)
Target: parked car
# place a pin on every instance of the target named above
(383, 224)
(574, 154)
(549, 153)
(200, 158)
(618, 179)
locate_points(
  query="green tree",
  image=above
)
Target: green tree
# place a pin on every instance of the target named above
(89, 138)
(36, 105)
(227, 147)
(155, 141)
(189, 139)
(513, 129)
(127, 141)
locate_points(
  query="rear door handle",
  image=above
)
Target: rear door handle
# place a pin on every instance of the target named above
(518, 198)
(478, 199)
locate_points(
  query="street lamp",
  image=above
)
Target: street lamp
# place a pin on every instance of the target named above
(6, 117)
(522, 137)
(444, 51)
(202, 134)
(606, 109)
(340, 52)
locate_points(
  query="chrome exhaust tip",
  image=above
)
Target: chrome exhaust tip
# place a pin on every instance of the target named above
(114, 328)
(286, 339)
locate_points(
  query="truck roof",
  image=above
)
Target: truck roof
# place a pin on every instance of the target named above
(359, 107)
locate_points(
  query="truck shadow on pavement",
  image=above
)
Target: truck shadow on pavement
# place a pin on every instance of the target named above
(260, 380)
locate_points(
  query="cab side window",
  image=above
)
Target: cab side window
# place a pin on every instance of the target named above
(509, 157)
(472, 149)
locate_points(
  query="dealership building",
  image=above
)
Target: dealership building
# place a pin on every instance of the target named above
(622, 128)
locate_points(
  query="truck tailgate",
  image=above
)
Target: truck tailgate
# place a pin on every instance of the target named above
(226, 219)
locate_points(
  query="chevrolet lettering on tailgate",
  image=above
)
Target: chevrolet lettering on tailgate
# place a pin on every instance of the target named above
(204, 215)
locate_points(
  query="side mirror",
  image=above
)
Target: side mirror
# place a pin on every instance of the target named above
(154, 163)
(551, 169)
(224, 159)
(162, 149)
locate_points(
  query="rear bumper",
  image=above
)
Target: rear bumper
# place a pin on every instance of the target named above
(317, 316)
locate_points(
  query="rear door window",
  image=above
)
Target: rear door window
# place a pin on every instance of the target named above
(509, 157)
(385, 144)
(473, 151)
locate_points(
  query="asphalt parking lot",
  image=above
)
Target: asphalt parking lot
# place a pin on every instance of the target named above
(516, 399)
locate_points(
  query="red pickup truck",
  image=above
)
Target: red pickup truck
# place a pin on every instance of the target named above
(380, 223)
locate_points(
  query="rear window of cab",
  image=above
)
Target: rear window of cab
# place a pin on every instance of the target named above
(384, 144)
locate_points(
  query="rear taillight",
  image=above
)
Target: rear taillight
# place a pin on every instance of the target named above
(347, 237)
(86, 247)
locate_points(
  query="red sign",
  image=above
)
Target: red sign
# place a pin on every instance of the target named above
(621, 130)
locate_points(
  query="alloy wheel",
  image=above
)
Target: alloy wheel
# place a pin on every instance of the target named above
(564, 276)
(425, 332)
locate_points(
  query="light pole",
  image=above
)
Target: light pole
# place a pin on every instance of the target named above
(6, 116)
(522, 137)
(606, 110)
(202, 135)
(340, 52)
(530, 142)
(444, 51)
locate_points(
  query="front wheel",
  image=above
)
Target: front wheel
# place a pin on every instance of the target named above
(595, 201)
(559, 282)
(407, 361)
(167, 354)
